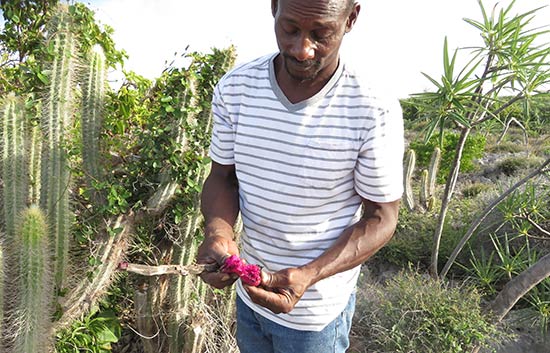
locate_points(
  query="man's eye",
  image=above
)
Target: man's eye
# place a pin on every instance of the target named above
(289, 30)
(321, 35)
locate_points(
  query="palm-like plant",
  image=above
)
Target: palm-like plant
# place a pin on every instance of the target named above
(511, 66)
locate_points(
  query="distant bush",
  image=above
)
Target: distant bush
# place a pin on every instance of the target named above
(475, 189)
(415, 313)
(473, 149)
(513, 165)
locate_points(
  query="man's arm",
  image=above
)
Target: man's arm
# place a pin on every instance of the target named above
(220, 207)
(282, 290)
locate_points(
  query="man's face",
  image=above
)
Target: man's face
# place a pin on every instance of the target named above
(309, 35)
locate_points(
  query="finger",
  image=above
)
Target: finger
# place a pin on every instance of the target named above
(218, 279)
(267, 279)
(273, 301)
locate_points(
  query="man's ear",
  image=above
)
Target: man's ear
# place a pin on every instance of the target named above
(352, 16)
(274, 4)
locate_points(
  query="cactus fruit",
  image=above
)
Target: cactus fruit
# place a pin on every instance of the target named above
(33, 290)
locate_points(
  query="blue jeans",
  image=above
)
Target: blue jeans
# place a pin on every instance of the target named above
(256, 334)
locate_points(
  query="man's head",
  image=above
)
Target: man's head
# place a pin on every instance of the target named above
(309, 34)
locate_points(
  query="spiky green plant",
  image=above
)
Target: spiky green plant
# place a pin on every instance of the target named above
(93, 102)
(34, 149)
(427, 181)
(56, 120)
(14, 169)
(410, 162)
(31, 322)
(2, 289)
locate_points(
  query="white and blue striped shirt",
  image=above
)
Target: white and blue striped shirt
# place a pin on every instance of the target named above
(302, 170)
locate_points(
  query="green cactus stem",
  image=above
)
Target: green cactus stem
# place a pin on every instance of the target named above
(14, 166)
(56, 121)
(433, 170)
(410, 163)
(2, 289)
(34, 148)
(32, 319)
(93, 101)
(424, 189)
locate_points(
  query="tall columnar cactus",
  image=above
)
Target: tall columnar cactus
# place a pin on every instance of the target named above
(410, 163)
(14, 167)
(2, 291)
(93, 102)
(427, 181)
(31, 322)
(433, 170)
(34, 149)
(56, 119)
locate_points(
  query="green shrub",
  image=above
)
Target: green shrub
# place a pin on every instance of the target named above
(417, 314)
(515, 164)
(413, 239)
(507, 147)
(473, 149)
(475, 189)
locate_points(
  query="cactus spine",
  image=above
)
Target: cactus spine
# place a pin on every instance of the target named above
(410, 163)
(14, 170)
(33, 295)
(93, 100)
(56, 120)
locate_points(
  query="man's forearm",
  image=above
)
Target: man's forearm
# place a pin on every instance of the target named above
(357, 243)
(220, 201)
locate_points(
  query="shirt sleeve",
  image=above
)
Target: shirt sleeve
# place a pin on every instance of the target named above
(223, 131)
(379, 168)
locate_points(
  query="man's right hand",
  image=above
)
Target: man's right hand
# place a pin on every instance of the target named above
(215, 249)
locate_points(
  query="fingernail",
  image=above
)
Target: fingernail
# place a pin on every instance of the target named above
(225, 277)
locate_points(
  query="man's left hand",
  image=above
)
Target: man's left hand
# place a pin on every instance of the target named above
(279, 291)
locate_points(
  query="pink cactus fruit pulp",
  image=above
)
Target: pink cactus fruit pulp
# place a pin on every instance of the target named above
(252, 275)
(249, 274)
(233, 264)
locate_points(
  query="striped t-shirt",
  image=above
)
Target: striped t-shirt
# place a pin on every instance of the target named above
(302, 169)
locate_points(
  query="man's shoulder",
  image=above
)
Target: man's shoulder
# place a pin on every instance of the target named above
(256, 68)
(359, 84)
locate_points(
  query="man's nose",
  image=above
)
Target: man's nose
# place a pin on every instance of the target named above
(303, 49)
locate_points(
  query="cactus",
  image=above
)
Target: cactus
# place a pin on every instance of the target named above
(93, 101)
(14, 170)
(2, 289)
(56, 121)
(432, 170)
(36, 169)
(424, 188)
(34, 148)
(410, 162)
(427, 182)
(33, 291)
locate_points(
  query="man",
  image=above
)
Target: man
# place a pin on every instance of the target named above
(312, 158)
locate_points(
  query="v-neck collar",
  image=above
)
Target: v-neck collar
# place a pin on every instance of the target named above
(306, 102)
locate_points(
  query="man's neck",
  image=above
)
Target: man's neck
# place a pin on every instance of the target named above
(296, 90)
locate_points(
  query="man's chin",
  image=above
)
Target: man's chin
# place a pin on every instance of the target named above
(301, 76)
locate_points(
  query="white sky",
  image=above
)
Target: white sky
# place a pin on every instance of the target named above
(393, 40)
